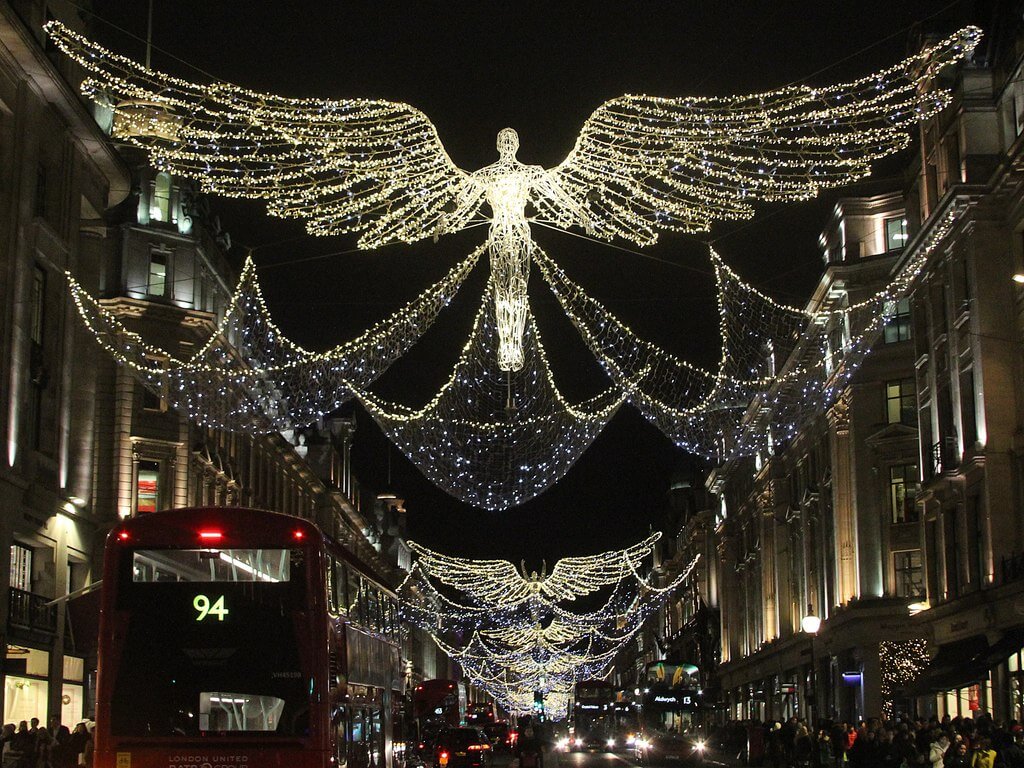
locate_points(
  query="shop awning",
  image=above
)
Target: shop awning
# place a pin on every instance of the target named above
(965, 662)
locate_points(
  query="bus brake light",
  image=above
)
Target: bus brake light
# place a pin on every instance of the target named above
(123, 535)
(211, 535)
(299, 534)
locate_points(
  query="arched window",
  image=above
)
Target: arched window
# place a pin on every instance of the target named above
(160, 200)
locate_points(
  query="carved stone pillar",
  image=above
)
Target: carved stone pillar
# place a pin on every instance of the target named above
(769, 602)
(844, 505)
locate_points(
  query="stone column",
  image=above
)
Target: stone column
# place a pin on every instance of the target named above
(769, 604)
(843, 501)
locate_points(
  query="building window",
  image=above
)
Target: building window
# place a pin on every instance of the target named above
(38, 304)
(902, 479)
(154, 395)
(909, 573)
(157, 285)
(21, 568)
(836, 348)
(147, 487)
(898, 326)
(895, 233)
(160, 198)
(900, 402)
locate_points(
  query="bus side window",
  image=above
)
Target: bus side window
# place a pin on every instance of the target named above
(332, 586)
(341, 585)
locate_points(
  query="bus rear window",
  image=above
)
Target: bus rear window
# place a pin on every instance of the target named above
(210, 565)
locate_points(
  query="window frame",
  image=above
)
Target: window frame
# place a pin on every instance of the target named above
(905, 401)
(909, 476)
(900, 236)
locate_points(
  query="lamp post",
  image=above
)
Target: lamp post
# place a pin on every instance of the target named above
(811, 624)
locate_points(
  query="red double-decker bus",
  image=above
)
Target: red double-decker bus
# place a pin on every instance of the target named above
(244, 638)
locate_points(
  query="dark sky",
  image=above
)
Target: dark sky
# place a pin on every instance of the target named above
(541, 68)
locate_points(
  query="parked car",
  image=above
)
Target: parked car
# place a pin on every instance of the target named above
(462, 748)
(665, 748)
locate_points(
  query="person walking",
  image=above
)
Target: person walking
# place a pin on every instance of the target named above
(937, 749)
(984, 756)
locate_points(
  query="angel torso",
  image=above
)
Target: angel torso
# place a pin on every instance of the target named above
(506, 186)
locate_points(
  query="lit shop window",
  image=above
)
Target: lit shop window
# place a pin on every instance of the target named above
(147, 487)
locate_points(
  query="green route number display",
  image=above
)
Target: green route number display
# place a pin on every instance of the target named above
(204, 608)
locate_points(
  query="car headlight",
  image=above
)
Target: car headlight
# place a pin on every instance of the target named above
(699, 746)
(578, 743)
(563, 743)
(643, 743)
(611, 742)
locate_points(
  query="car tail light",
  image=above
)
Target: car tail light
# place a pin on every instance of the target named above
(123, 536)
(479, 747)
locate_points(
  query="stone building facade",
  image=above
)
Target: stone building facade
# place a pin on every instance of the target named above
(85, 443)
(896, 517)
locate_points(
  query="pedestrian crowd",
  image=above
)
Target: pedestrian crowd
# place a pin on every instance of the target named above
(30, 746)
(957, 742)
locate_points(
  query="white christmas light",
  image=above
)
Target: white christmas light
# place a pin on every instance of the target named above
(518, 633)
(641, 165)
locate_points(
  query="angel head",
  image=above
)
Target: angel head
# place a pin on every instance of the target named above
(508, 143)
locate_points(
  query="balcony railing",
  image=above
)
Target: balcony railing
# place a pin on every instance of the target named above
(945, 456)
(27, 611)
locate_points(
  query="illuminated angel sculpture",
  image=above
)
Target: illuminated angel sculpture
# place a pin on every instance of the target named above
(640, 165)
(499, 581)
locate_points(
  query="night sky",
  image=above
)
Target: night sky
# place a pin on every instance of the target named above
(541, 68)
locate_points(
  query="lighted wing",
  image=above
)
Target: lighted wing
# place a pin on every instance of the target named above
(490, 581)
(368, 166)
(573, 577)
(643, 164)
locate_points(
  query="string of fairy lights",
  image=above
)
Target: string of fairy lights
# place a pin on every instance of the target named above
(515, 633)
(499, 431)
(902, 662)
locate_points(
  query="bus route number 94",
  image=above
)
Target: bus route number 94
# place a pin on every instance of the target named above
(205, 608)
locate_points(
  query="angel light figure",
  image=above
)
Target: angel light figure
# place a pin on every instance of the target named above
(641, 164)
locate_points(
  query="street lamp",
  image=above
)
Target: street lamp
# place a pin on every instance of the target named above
(811, 624)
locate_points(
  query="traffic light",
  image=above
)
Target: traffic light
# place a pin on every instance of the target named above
(538, 701)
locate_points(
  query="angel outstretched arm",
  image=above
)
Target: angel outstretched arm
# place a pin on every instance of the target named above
(373, 167)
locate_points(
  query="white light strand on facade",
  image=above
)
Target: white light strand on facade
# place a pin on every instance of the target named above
(641, 164)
